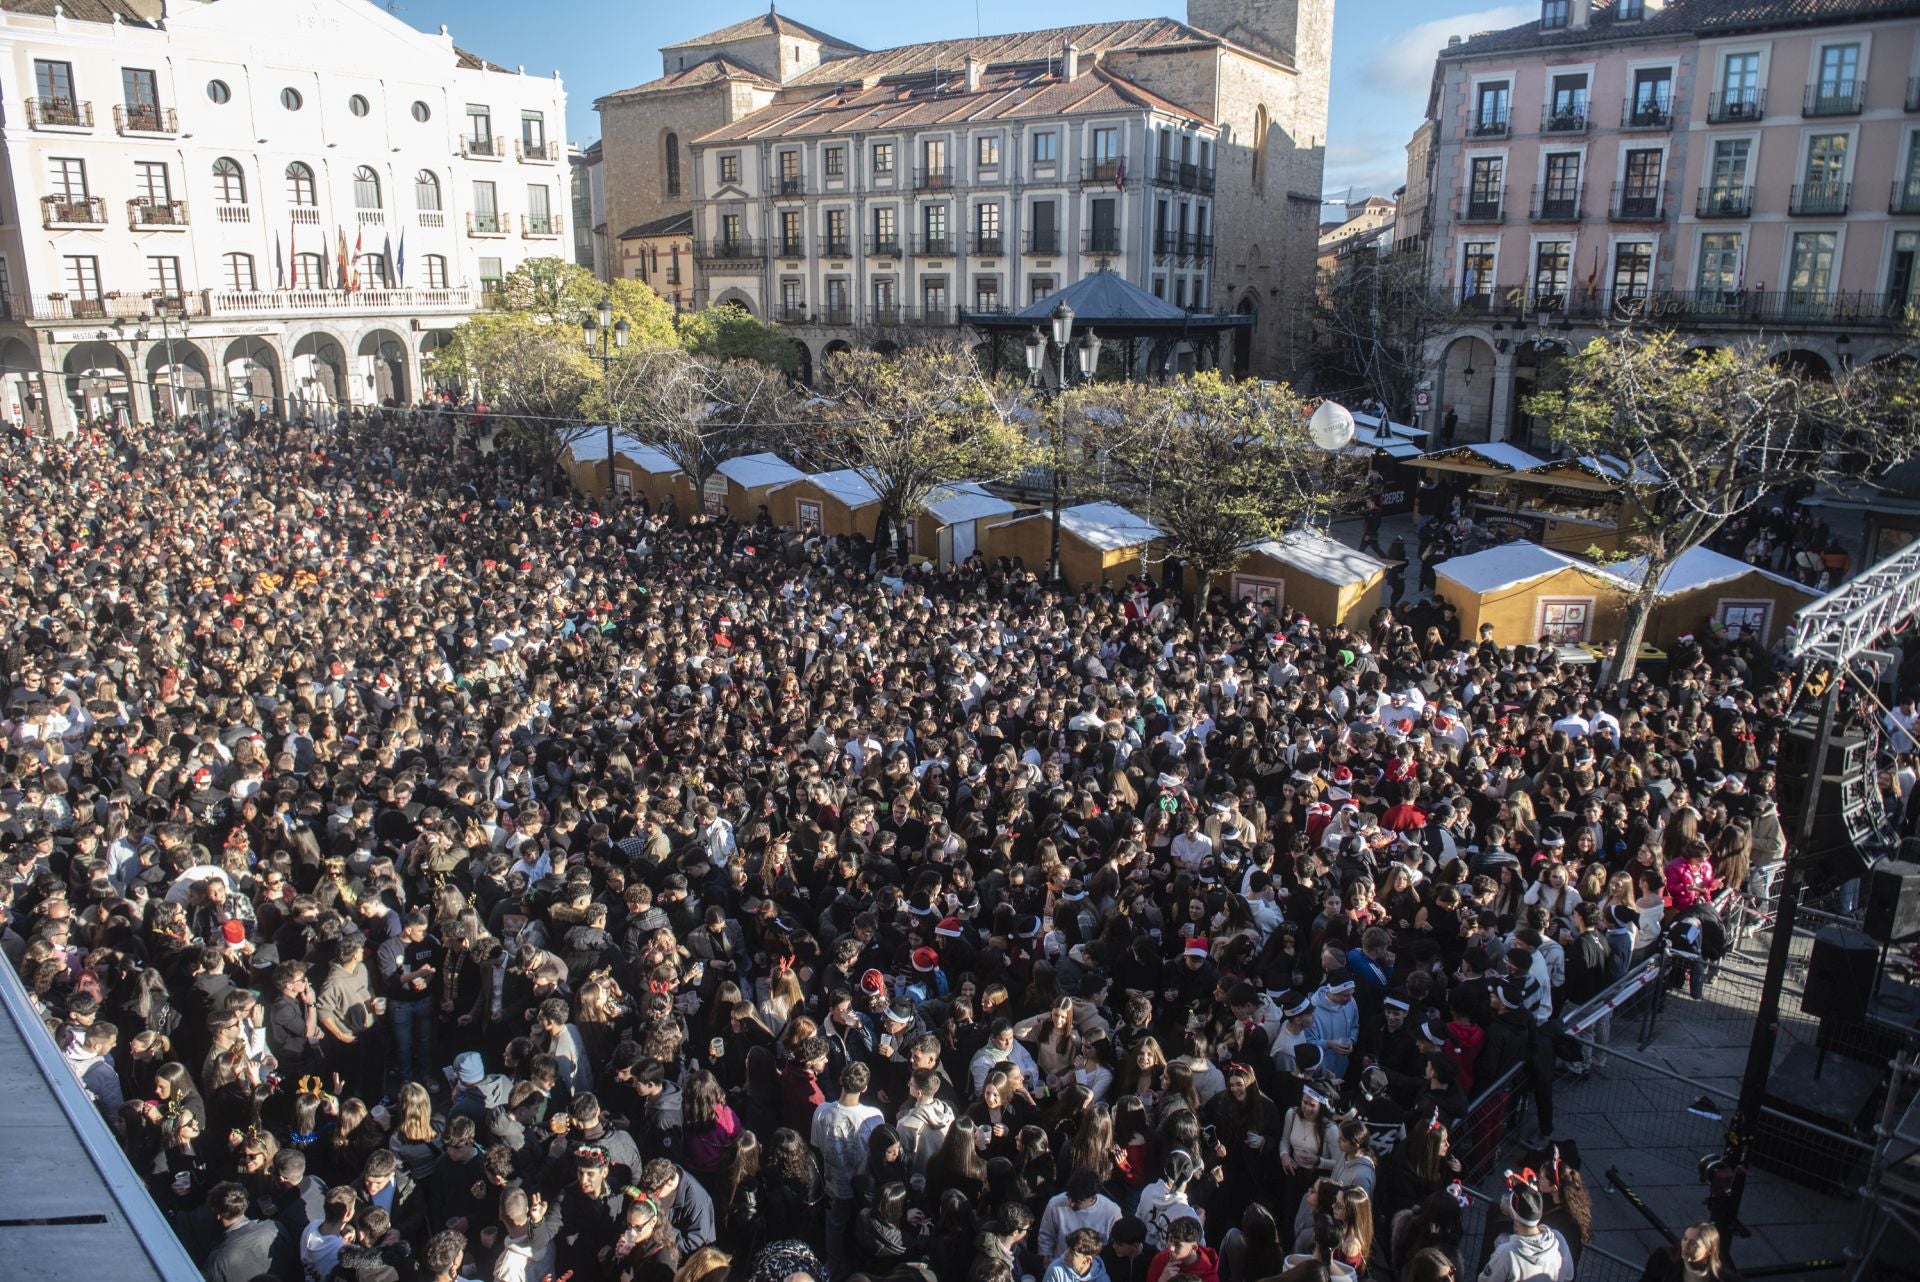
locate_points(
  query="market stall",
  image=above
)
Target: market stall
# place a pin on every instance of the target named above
(1099, 542)
(1305, 570)
(1528, 592)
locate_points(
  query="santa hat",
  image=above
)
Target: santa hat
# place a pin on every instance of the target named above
(925, 959)
(949, 928)
(1197, 947)
(873, 981)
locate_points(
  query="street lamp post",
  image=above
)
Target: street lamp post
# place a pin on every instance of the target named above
(173, 368)
(1087, 354)
(603, 339)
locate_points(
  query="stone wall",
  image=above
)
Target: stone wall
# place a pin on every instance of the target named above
(633, 143)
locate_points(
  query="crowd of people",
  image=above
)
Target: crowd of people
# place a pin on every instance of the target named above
(433, 881)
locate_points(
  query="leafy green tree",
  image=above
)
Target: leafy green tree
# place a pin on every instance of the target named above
(1695, 437)
(1217, 464)
(911, 423)
(726, 333)
(535, 376)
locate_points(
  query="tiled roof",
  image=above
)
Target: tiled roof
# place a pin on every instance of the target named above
(78, 10)
(929, 102)
(474, 62)
(708, 71)
(1104, 298)
(680, 224)
(1017, 47)
(1683, 18)
(769, 23)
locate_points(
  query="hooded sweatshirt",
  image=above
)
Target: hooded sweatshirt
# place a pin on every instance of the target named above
(1203, 1264)
(923, 1128)
(1540, 1258)
(1333, 1022)
(103, 1084)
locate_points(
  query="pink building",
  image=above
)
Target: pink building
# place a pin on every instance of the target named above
(1729, 168)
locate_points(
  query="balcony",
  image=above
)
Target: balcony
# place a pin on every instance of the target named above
(1718, 308)
(837, 247)
(729, 249)
(1730, 105)
(430, 217)
(1834, 98)
(157, 215)
(321, 302)
(887, 246)
(233, 213)
(1043, 243)
(934, 178)
(1906, 197)
(885, 314)
(1104, 171)
(1482, 209)
(488, 224)
(941, 246)
(304, 216)
(57, 212)
(1182, 245)
(370, 217)
(1491, 124)
(1197, 247)
(789, 186)
(537, 153)
(1636, 204)
(145, 121)
(1557, 204)
(1653, 113)
(1723, 202)
(539, 226)
(795, 247)
(1820, 200)
(1101, 240)
(483, 148)
(1560, 121)
(59, 115)
(989, 246)
(841, 314)
(792, 315)
(1183, 174)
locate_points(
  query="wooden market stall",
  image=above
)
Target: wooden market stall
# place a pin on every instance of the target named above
(741, 486)
(833, 503)
(637, 467)
(1098, 542)
(1528, 592)
(948, 530)
(1569, 504)
(1307, 571)
(1707, 593)
(1392, 447)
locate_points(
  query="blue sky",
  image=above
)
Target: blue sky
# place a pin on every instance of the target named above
(1382, 61)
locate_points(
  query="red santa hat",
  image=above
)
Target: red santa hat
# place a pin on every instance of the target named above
(1197, 947)
(949, 928)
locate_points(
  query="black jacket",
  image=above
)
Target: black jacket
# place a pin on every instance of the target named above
(254, 1249)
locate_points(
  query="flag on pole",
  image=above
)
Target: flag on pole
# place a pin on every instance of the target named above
(1593, 274)
(1120, 174)
(279, 264)
(400, 262)
(359, 246)
(340, 267)
(386, 259)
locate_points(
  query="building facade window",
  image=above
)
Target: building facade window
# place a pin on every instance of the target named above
(1476, 280)
(883, 158)
(358, 105)
(1484, 185)
(835, 162)
(1493, 102)
(1632, 270)
(1719, 276)
(426, 191)
(67, 177)
(237, 269)
(730, 168)
(479, 125)
(82, 276)
(1903, 270)
(366, 188)
(53, 82)
(1552, 274)
(1810, 267)
(151, 182)
(1553, 13)
(1046, 148)
(671, 163)
(533, 132)
(987, 151)
(434, 271)
(163, 275)
(300, 186)
(291, 99)
(309, 271)
(539, 209)
(229, 182)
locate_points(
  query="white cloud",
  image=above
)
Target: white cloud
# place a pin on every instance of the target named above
(1404, 69)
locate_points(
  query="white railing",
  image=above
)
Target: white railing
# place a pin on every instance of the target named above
(432, 217)
(319, 302)
(235, 213)
(306, 214)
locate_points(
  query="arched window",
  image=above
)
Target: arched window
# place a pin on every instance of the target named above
(229, 183)
(239, 272)
(436, 268)
(673, 164)
(372, 271)
(309, 271)
(300, 188)
(1259, 143)
(426, 191)
(366, 188)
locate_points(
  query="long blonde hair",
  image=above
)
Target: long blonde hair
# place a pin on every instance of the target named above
(416, 1115)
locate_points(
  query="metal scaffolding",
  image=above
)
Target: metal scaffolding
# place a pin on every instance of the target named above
(1850, 619)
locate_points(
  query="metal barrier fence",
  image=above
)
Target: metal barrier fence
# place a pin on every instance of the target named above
(1493, 1121)
(1482, 1224)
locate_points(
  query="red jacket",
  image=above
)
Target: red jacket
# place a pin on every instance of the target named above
(1204, 1265)
(1464, 1041)
(1689, 882)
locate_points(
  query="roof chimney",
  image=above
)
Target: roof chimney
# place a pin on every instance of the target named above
(1580, 15)
(974, 68)
(1070, 64)
(1453, 42)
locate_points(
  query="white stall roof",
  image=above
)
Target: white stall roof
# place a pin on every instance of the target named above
(846, 485)
(1512, 564)
(1697, 568)
(965, 501)
(1326, 559)
(757, 470)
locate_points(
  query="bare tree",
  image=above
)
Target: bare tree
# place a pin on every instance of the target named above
(697, 411)
(1692, 438)
(1375, 317)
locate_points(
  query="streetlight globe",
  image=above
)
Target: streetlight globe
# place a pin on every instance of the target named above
(620, 332)
(1036, 351)
(1088, 350)
(591, 329)
(1331, 427)
(606, 312)
(1062, 317)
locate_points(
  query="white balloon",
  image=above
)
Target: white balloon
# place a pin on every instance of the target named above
(1331, 426)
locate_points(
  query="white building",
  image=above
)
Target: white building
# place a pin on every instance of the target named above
(218, 201)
